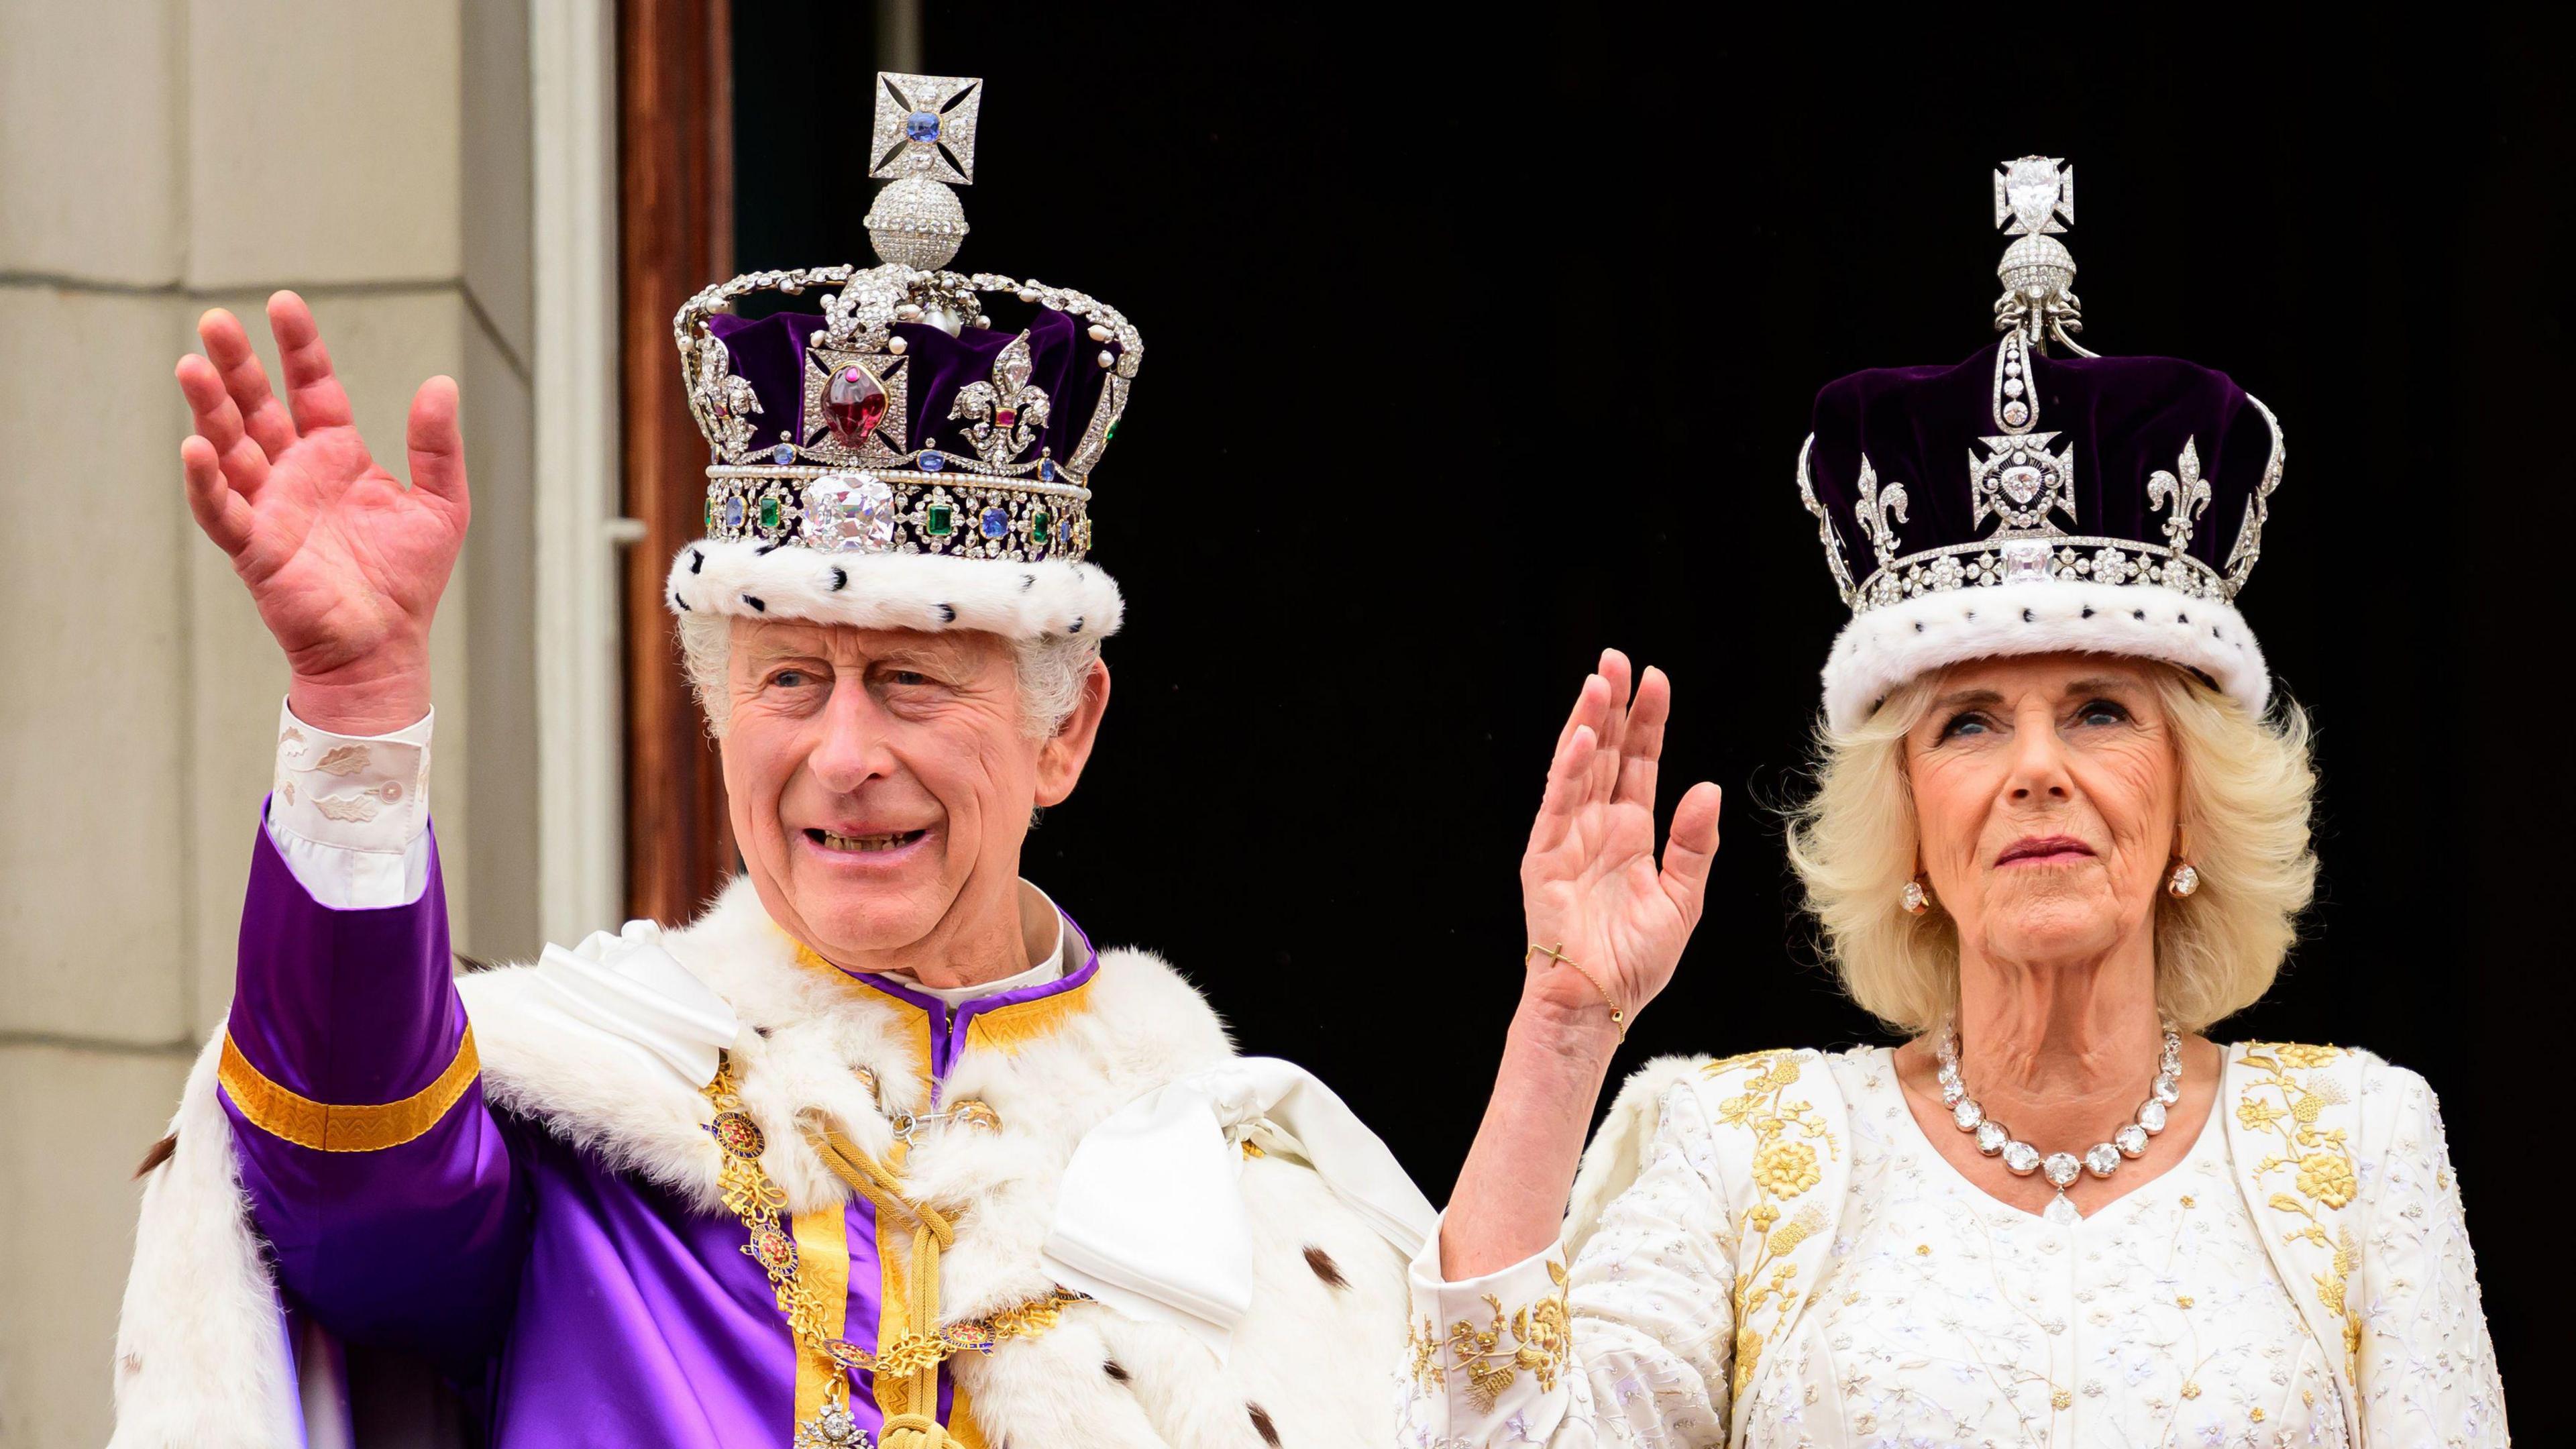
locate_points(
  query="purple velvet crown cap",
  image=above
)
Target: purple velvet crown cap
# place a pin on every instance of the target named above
(1063, 360)
(2126, 418)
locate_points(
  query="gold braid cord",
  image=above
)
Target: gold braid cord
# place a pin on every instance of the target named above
(907, 1362)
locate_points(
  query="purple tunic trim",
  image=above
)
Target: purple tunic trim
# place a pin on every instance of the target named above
(948, 1024)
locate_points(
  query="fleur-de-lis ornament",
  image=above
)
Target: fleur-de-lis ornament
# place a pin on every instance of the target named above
(2186, 496)
(1875, 505)
(1006, 415)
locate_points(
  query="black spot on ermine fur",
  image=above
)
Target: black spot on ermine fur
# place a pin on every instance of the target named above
(757, 606)
(1026, 581)
(1325, 1268)
(840, 579)
(1115, 1370)
(1262, 1426)
(948, 613)
(697, 559)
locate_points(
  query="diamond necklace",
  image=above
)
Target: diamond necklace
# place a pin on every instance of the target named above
(2061, 1168)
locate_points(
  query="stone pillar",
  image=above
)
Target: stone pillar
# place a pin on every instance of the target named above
(158, 157)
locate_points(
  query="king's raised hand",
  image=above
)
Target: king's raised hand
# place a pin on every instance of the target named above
(345, 564)
(1590, 880)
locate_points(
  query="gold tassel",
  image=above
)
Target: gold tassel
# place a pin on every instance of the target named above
(910, 1400)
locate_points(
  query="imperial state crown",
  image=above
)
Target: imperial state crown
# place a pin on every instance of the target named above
(896, 459)
(2024, 502)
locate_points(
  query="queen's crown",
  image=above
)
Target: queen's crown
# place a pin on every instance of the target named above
(2018, 467)
(899, 419)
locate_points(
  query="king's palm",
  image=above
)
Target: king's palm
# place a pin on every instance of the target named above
(345, 564)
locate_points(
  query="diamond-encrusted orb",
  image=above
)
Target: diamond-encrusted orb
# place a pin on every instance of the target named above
(2130, 1140)
(2151, 1115)
(2022, 1158)
(854, 402)
(997, 522)
(846, 512)
(1967, 1114)
(737, 1134)
(2025, 559)
(916, 222)
(2061, 1168)
(921, 126)
(2100, 1158)
(1991, 1137)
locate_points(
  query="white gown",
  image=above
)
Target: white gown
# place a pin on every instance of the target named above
(1935, 1315)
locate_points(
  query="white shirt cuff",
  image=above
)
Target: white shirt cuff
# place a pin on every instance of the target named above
(350, 813)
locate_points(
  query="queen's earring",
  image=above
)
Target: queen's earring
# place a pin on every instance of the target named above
(2186, 877)
(1913, 898)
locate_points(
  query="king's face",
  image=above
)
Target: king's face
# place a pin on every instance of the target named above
(880, 784)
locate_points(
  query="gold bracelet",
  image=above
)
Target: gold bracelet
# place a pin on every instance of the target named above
(1556, 953)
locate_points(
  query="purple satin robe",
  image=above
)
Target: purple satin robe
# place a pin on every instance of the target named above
(573, 1304)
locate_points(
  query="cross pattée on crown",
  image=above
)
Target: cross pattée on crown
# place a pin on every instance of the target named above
(925, 126)
(2027, 190)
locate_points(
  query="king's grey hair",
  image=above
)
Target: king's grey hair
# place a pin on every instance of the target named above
(1050, 670)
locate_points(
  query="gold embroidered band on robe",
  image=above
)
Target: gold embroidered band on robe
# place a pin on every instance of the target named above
(329, 1127)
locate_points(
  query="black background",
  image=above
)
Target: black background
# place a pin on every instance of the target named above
(1478, 342)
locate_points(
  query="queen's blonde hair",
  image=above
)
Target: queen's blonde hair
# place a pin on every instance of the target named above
(2247, 786)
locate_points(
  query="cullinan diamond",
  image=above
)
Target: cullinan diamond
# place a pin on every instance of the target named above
(854, 402)
(849, 512)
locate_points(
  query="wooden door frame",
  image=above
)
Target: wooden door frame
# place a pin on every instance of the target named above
(675, 236)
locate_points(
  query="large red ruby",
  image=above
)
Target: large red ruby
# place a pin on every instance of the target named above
(1005, 417)
(853, 404)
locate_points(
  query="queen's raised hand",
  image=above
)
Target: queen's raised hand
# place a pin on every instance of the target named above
(1591, 889)
(345, 564)
(1614, 921)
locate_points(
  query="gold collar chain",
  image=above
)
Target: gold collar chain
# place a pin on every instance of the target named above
(907, 1364)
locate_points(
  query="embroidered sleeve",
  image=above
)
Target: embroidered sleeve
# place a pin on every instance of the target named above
(1627, 1345)
(2425, 1364)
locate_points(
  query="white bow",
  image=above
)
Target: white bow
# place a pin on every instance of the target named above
(628, 987)
(1150, 1219)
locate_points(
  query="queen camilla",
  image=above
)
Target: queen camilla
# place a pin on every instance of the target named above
(2059, 830)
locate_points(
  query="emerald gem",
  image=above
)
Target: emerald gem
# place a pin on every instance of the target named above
(1113, 432)
(1040, 526)
(939, 520)
(711, 515)
(769, 510)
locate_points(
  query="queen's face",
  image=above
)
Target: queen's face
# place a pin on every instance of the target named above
(879, 781)
(2045, 796)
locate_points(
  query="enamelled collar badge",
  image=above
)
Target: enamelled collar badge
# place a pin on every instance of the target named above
(900, 420)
